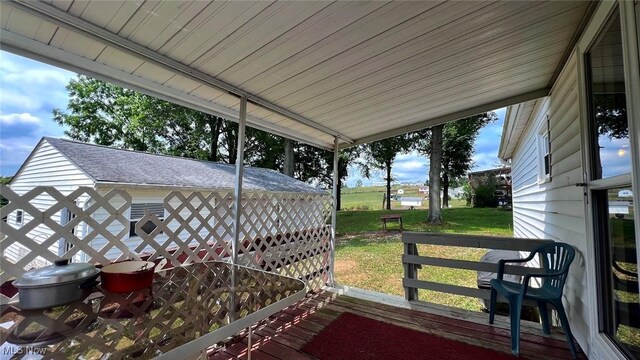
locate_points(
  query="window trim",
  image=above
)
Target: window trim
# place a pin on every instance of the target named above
(543, 142)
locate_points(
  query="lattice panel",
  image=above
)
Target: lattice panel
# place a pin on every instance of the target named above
(290, 235)
(97, 226)
(283, 233)
(184, 304)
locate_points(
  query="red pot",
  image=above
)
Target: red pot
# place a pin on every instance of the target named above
(127, 276)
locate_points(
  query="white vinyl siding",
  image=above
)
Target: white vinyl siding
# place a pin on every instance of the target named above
(555, 209)
(46, 167)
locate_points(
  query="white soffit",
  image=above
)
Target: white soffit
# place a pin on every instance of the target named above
(360, 71)
(515, 121)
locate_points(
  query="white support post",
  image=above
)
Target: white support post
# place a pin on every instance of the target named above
(237, 206)
(334, 211)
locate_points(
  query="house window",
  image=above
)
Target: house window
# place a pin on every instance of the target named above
(544, 153)
(19, 217)
(138, 212)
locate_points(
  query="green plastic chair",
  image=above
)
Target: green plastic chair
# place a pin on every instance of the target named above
(555, 260)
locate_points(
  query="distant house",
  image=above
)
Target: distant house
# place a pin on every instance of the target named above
(423, 190)
(68, 165)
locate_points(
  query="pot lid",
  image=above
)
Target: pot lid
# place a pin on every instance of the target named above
(61, 272)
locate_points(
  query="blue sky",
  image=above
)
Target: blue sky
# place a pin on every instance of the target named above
(30, 90)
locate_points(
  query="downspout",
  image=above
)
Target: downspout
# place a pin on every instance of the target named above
(237, 206)
(334, 211)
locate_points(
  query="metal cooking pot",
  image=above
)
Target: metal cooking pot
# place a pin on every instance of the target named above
(56, 285)
(127, 276)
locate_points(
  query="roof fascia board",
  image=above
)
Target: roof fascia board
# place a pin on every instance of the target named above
(66, 20)
(120, 185)
(507, 130)
(33, 49)
(453, 116)
(529, 121)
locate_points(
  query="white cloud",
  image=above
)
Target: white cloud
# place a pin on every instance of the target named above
(24, 118)
(39, 76)
(13, 100)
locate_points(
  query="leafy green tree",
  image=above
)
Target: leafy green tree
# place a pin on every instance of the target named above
(381, 155)
(458, 140)
(107, 114)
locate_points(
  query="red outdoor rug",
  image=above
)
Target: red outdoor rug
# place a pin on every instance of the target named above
(352, 337)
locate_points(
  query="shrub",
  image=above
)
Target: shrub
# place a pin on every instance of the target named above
(484, 192)
(485, 196)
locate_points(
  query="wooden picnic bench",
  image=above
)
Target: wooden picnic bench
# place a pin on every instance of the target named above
(394, 217)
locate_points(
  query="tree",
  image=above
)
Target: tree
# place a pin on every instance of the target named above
(457, 146)
(107, 114)
(458, 140)
(359, 183)
(435, 166)
(289, 158)
(381, 155)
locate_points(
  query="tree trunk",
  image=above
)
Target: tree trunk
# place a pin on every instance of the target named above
(289, 158)
(232, 142)
(445, 190)
(388, 165)
(214, 125)
(435, 167)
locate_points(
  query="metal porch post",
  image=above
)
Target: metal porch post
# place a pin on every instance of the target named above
(334, 211)
(237, 206)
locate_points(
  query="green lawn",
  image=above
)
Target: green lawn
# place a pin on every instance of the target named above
(370, 198)
(484, 221)
(370, 259)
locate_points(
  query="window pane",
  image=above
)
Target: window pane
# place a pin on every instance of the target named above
(625, 319)
(609, 130)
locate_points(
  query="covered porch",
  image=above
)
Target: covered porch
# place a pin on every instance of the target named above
(284, 335)
(332, 75)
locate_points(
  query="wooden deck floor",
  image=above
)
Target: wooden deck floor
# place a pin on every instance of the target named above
(284, 334)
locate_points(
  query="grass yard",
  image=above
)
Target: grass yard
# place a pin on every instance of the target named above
(483, 221)
(370, 198)
(370, 259)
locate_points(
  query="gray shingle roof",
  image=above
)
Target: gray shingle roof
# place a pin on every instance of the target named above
(106, 164)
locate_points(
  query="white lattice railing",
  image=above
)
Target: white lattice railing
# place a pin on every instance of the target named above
(281, 232)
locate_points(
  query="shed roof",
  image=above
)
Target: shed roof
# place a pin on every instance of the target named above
(117, 166)
(312, 70)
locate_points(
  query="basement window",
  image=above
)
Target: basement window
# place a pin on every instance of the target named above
(137, 213)
(544, 153)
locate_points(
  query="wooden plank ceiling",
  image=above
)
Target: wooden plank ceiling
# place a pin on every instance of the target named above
(357, 70)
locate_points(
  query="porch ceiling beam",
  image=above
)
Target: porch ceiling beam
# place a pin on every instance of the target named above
(66, 20)
(453, 116)
(33, 49)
